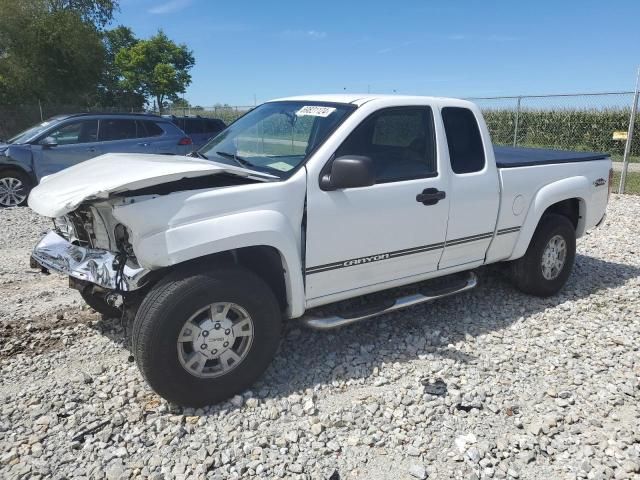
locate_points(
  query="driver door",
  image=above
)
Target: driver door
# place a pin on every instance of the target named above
(368, 236)
(75, 142)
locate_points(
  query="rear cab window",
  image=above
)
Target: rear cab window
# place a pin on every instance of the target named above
(466, 151)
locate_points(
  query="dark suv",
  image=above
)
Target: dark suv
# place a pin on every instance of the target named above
(200, 129)
(65, 140)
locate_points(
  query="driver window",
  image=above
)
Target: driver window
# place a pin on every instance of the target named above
(76, 132)
(400, 141)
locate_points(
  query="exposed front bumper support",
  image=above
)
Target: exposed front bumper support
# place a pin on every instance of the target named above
(89, 264)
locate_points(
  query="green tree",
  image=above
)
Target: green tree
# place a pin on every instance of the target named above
(96, 12)
(47, 54)
(180, 103)
(157, 68)
(112, 92)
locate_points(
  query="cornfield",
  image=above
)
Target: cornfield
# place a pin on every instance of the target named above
(575, 129)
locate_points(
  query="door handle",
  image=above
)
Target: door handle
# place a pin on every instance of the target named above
(91, 149)
(143, 144)
(430, 196)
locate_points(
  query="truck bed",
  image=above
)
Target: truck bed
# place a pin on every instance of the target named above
(511, 157)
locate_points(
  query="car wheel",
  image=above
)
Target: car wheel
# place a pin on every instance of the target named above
(14, 188)
(547, 264)
(201, 337)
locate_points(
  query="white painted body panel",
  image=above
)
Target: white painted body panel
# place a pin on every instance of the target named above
(540, 186)
(174, 228)
(340, 225)
(111, 173)
(475, 198)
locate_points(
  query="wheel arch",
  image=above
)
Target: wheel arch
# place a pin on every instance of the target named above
(565, 197)
(16, 167)
(265, 261)
(262, 241)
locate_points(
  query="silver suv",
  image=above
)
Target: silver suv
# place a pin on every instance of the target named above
(65, 140)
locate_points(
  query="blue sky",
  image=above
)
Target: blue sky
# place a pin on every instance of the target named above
(456, 48)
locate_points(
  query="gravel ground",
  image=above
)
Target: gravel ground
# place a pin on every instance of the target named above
(488, 384)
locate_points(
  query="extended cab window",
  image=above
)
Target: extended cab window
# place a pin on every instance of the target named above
(400, 141)
(463, 138)
(85, 131)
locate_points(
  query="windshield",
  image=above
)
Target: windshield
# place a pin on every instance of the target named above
(276, 137)
(29, 133)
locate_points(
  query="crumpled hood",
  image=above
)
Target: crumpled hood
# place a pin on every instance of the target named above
(112, 173)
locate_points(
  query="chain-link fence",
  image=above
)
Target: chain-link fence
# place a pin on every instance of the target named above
(15, 118)
(226, 113)
(586, 122)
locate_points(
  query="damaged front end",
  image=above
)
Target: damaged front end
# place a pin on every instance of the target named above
(106, 269)
(88, 245)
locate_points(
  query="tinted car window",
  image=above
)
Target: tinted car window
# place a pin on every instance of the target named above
(213, 125)
(463, 138)
(147, 128)
(193, 125)
(117, 129)
(84, 131)
(400, 141)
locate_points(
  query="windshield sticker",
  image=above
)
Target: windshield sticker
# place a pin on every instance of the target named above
(315, 111)
(283, 167)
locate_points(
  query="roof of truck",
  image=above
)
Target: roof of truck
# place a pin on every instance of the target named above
(360, 98)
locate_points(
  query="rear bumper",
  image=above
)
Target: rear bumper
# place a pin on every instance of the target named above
(88, 264)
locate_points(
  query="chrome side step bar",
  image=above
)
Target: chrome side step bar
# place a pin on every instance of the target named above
(328, 323)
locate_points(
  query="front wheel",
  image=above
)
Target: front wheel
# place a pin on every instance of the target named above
(200, 338)
(547, 264)
(14, 188)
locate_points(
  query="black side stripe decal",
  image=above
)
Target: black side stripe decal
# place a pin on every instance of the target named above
(373, 258)
(407, 251)
(504, 231)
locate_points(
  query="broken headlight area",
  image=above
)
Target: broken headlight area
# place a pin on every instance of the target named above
(83, 227)
(122, 235)
(109, 270)
(88, 244)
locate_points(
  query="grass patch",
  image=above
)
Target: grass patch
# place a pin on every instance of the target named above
(632, 183)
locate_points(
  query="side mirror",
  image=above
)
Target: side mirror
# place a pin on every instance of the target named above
(48, 142)
(350, 171)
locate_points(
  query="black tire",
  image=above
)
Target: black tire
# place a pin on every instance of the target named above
(10, 177)
(527, 272)
(99, 304)
(167, 307)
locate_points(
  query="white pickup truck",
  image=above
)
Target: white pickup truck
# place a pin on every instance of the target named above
(301, 203)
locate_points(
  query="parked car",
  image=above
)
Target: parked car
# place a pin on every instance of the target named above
(302, 203)
(66, 140)
(200, 129)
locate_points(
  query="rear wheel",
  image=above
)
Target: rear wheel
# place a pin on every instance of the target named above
(199, 338)
(547, 264)
(14, 188)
